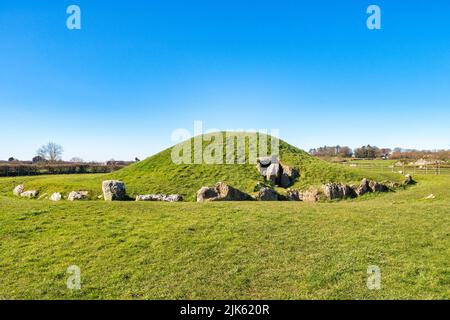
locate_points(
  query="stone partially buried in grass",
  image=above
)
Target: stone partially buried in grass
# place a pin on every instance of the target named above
(267, 194)
(78, 195)
(18, 190)
(378, 187)
(56, 196)
(221, 192)
(160, 197)
(29, 194)
(311, 195)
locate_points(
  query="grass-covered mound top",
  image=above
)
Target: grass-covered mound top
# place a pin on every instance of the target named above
(159, 173)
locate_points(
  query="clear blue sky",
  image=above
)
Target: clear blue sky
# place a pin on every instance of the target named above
(137, 70)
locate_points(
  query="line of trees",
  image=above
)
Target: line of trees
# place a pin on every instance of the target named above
(442, 155)
(334, 151)
(373, 152)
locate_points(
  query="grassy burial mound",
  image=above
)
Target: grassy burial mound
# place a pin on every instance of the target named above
(201, 161)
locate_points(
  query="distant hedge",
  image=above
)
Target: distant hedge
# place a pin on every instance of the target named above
(23, 169)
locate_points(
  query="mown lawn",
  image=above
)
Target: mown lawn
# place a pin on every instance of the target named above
(252, 250)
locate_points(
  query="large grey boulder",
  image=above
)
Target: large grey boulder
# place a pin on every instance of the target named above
(267, 194)
(18, 190)
(221, 192)
(113, 190)
(160, 197)
(56, 196)
(29, 194)
(77, 195)
(338, 191)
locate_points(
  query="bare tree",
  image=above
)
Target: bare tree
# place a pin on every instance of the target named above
(38, 159)
(76, 159)
(51, 151)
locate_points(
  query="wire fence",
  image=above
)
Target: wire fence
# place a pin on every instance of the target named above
(430, 169)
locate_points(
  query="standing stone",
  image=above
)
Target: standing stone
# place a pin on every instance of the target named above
(113, 190)
(288, 176)
(273, 173)
(56, 196)
(18, 190)
(363, 187)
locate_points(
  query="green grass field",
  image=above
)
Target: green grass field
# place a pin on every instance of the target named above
(247, 250)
